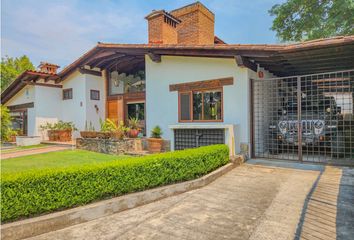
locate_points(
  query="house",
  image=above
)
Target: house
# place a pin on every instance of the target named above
(196, 87)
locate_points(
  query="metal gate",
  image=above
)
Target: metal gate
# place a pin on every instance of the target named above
(307, 118)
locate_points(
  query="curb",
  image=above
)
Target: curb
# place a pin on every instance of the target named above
(59, 220)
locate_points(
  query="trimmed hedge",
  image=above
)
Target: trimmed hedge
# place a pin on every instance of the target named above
(34, 192)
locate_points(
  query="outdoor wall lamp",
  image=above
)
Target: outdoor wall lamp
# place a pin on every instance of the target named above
(97, 109)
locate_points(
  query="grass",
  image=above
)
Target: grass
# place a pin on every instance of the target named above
(60, 159)
(15, 149)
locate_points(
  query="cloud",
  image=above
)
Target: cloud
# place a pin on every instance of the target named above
(61, 31)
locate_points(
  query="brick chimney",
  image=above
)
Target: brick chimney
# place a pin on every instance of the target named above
(162, 27)
(197, 24)
(48, 67)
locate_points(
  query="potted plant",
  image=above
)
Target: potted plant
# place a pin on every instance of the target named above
(133, 124)
(121, 131)
(60, 131)
(108, 127)
(64, 130)
(89, 131)
(50, 131)
(155, 141)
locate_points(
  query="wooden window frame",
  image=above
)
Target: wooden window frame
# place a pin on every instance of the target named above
(66, 90)
(190, 92)
(95, 91)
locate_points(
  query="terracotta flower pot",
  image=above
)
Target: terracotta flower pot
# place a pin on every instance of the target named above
(155, 145)
(133, 133)
(52, 135)
(64, 135)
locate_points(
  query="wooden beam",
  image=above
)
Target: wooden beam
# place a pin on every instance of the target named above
(244, 62)
(21, 106)
(88, 71)
(206, 84)
(98, 56)
(154, 57)
(106, 59)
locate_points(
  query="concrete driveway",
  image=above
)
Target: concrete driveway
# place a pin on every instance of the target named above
(250, 202)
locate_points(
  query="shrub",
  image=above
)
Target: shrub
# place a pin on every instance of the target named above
(35, 192)
(6, 130)
(60, 125)
(156, 132)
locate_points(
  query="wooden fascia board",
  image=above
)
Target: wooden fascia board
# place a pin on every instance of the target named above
(88, 71)
(205, 84)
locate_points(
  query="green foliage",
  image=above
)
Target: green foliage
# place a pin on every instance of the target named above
(133, 123)
(108, 125)
(6, 130)
(35, 192)
(297, 20)
(12, 67)
(156, 132)
(60, 125)
(122, 128)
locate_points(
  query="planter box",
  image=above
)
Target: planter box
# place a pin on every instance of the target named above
(28, 141)
(59, 135)
(88, 134)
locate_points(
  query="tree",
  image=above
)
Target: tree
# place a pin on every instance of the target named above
(297, 20)
(6, 130)
(12, 67)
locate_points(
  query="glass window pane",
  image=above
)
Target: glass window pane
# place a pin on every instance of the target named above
(136, 110)
(212, 105)
(185, 106)
(197, 105)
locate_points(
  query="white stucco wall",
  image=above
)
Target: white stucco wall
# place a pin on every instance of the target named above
(48, 107)
(92, 115)
(162, 105)
(26, 95)
(74, 110)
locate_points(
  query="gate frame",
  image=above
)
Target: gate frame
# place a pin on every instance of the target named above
(251, 99)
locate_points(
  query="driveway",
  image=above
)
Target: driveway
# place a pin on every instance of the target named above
(250, 202)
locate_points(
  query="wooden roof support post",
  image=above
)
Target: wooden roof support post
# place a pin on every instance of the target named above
(244, 62)
(105, 77)
(155, 57)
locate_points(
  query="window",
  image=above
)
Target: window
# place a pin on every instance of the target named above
(205, 105)
(67, 94)
(94, 95)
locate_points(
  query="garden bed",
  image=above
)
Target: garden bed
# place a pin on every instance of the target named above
(117, 146)
(35, 192)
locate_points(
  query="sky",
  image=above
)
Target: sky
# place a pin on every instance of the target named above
(60, 31)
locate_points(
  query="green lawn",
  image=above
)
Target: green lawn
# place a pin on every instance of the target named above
(59, 159)
(10, 150)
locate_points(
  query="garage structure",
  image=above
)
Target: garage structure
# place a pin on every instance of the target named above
(305, 114)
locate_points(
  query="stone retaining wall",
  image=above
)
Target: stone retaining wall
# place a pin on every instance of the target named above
(115, 146)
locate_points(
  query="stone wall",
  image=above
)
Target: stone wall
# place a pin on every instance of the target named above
(117, 147)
